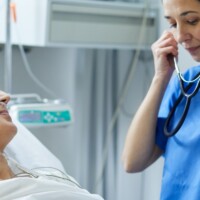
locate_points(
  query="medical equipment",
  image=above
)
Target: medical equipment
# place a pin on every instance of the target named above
(188, 96)
(32, 111)
(77, 23)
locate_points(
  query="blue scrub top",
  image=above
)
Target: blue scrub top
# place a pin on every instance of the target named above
(181, 173)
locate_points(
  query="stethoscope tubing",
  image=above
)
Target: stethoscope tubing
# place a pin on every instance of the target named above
(188, 97)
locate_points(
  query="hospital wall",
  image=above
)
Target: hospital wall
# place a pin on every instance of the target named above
(54, 67)
(57, 68)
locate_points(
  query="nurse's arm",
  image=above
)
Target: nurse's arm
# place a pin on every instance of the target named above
(140, 149)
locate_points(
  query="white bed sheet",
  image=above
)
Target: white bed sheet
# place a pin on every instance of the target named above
(30, 153)
(27, 150)
(42, 189)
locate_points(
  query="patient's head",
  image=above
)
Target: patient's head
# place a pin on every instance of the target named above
(7, 128)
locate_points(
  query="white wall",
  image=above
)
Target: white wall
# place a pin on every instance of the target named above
(56, 68)
(145, 185)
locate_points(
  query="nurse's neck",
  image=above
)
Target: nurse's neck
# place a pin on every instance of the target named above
(5, 171)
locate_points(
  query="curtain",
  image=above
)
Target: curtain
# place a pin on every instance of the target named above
(97, 91)
(101, 75)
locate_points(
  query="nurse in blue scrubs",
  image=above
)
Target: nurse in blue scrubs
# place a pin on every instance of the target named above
(146, 141)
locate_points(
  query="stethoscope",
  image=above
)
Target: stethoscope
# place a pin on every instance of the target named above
(188, 97)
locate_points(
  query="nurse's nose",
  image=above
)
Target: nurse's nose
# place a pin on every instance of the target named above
(181, 34)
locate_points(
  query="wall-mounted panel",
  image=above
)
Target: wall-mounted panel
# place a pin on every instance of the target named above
(102, 24)
(80, 23)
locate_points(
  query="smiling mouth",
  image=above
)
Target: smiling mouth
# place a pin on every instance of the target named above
(192, 49)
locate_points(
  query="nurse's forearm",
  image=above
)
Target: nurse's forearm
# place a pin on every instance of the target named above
(140, 142)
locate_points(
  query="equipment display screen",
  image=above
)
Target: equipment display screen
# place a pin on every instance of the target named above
(30, 116)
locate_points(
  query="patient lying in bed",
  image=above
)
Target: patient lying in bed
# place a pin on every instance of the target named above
(28, 170)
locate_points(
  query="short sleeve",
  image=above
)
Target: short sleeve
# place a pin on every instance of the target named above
(161, 139)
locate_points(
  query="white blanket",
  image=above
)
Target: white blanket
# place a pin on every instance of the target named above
(26, 188)
(30, 153)
(27, 150)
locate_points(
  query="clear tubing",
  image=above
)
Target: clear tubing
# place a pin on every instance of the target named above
(8, 53)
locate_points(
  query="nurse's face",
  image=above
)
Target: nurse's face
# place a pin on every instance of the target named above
(184, 19)
(7, 128)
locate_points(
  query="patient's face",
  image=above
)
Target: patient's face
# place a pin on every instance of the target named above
(7, 128)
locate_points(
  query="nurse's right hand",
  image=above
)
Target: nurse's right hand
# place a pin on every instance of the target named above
(164, 49)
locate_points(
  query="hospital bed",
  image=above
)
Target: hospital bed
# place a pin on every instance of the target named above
(30, 153)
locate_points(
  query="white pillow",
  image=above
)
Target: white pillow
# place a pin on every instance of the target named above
(26, 149)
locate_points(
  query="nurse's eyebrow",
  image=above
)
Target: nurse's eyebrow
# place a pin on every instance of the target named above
(183, 14)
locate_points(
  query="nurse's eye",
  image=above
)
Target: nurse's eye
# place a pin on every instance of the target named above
(172, 25)
(193, 22)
